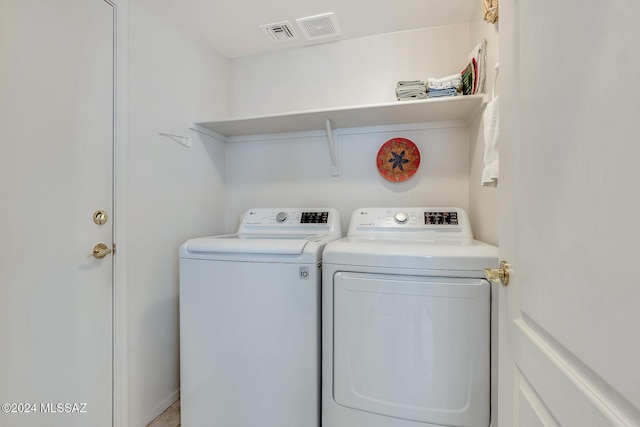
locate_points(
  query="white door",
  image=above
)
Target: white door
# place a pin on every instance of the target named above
(56, 170)
(570, 318)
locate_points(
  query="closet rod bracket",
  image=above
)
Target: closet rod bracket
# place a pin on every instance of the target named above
(333, 147)
(185, 141)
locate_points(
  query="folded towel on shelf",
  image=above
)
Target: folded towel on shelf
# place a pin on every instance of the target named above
(456, 84)
(411, 89)
(417, 94)
(438, 93)
(447, 79)
(491, 144)
(444, 86)
(411, 83)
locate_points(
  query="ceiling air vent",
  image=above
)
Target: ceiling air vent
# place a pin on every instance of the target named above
(278, 32)
(319, 26)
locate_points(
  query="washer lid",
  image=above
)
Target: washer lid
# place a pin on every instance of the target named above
(271, 232)
(275, 244)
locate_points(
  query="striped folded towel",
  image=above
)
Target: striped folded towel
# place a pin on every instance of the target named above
(411, 89)
(411, 83)
(437, 93)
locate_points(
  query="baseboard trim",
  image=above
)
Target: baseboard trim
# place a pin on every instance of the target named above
(161, 407)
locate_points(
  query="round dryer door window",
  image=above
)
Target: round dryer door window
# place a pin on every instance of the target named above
(398, 159)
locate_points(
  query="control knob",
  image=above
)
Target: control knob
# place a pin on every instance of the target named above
(281, 217)
(401, 217)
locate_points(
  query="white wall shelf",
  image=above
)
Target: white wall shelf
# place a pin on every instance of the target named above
(399, 112)
(459, 108)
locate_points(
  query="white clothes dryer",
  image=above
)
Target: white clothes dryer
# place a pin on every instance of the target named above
(250, 321)
(406, 321)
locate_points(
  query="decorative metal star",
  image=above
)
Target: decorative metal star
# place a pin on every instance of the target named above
(398, 160)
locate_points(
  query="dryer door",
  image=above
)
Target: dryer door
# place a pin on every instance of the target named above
(415, 348)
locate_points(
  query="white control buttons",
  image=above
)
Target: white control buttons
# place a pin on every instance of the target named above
(281, 217)
(401, 217)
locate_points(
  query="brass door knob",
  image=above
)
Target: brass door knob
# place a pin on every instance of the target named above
(100, 251)
(498, 275)
(100, 217)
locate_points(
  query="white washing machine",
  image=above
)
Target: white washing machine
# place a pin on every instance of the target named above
(250, 321)
(406, 321)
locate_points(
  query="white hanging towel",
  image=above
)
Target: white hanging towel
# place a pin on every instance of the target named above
(491, 146)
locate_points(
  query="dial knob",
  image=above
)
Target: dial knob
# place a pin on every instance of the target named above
(401, 217)
(281, 217)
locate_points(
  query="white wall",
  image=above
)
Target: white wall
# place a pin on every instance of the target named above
(297, 171)
(174, 193)
(483, 201)
(350, 72)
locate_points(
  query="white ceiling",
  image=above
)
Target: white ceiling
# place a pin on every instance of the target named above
(233, 26)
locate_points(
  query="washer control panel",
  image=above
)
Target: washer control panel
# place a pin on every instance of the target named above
(289, 216)
(290, 220)
(453, 221)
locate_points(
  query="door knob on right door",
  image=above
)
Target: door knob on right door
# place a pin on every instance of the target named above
(499, 275)
(100, 251)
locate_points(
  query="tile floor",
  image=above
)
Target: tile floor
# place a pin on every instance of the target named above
(169, 418)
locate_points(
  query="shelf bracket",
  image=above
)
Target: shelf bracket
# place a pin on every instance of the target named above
(185, 141)
(333, 147)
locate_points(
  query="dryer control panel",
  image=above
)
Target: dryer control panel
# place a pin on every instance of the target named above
(426, 220)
